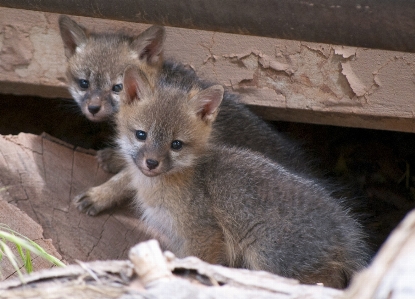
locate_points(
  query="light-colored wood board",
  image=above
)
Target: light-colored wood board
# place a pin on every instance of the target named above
(289, 80)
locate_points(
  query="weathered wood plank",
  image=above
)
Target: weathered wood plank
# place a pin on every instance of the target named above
(380, 24)
(281, 79)
(155, 279)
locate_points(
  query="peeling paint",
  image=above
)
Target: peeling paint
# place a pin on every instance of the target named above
(17, 49)
(322, 49)
(208, 46)
(46, 57)
(356, 85)
(295, 76)
(326, 89)
(250, 62)
(287, 48)
(268, 62)
(211, 57)
(258, 96)
(345, 52)
(376, 79)
(240, 56)
(252, 58)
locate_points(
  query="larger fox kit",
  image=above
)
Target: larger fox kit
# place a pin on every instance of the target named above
(225, 204)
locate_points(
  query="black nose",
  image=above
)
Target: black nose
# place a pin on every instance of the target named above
(94, 109)
(151, 164)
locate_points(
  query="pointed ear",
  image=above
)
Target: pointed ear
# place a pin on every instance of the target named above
(207, 101)
(73, 35)
(149, 44)
(135, 85)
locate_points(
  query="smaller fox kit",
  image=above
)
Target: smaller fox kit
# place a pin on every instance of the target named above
(223, 204)
(96, 63)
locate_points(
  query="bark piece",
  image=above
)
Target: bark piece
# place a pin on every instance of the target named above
(115, 279)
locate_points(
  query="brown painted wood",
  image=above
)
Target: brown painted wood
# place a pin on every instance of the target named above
(381, 24)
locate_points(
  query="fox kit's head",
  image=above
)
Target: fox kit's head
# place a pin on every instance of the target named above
(164, 128)
(96, 63)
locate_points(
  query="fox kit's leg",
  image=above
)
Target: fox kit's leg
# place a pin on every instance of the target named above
(110, 160)
(111, 193)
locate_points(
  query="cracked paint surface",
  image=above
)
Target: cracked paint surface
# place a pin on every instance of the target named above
(301, 81)
(345, 85)
(16, 50)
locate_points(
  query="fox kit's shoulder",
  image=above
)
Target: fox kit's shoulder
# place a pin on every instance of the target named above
(96, 62)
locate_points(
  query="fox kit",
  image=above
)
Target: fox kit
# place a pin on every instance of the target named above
(226, 204)
(96, 63)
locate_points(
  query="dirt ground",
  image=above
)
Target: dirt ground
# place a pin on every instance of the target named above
(375, 166)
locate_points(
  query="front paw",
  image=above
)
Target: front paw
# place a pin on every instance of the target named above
(105, 196)
(88, 203)
(109, 160)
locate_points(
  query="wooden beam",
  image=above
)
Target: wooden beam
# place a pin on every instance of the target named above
(280, 79)
(383, 24)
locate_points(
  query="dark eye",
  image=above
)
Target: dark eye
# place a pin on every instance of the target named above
(141, 135)
(117, 88)
(177, 145)
(84, 84)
